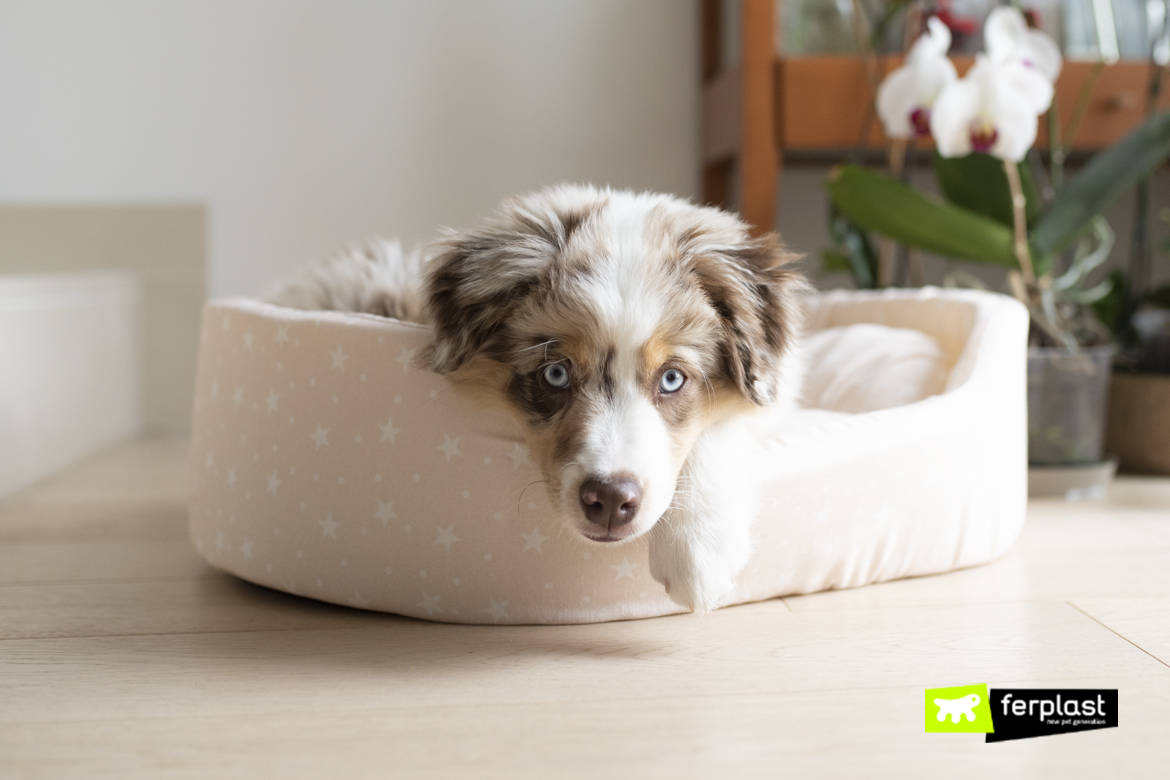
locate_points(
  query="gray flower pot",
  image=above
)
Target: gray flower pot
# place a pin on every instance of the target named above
(1067, 400)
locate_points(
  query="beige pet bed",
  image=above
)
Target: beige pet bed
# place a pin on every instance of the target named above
(326, 465)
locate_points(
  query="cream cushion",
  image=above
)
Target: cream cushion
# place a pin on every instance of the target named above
(326, 465)
(867, 367)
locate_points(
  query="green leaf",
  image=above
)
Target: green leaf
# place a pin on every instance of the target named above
(978, 182)
(1108, 307)
(878, 203)
(1108, 176)
(835, 262)
(854, 250)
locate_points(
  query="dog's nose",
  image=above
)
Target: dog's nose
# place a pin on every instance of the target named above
(610, 503)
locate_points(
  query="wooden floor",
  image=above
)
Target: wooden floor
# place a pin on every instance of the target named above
(123, 655)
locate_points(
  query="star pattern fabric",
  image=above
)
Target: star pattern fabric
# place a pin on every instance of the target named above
(389, 432)
(450, 465)
(533, 540)
(331, 466)
(385, 512)
(446, 536)
(449, 447)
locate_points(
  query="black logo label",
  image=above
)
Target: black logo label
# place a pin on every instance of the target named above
(1019, 713)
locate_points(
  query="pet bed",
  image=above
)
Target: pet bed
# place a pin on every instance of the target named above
(326, 465)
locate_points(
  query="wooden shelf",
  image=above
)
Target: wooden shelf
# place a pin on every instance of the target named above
(821, 102)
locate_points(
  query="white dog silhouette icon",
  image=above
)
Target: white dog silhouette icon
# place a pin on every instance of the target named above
(957, 708)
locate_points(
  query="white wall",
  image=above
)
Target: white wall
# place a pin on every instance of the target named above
(68, 370)
(303, 125)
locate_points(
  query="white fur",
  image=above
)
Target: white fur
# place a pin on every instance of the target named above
(698, 513)
(627, 437)
(704, 540)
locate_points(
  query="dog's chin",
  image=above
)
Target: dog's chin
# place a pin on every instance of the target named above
(609, 537)
(615, 536)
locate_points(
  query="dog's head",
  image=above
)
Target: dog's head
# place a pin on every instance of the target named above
(616, 327)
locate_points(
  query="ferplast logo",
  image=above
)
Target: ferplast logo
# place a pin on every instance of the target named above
(963, 709)
(1018, 713)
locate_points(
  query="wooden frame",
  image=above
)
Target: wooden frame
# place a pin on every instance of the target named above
(766, 104)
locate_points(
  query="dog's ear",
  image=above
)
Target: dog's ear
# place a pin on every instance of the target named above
(476, 279)
(756, 293)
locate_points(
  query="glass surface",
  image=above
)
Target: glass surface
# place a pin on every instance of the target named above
(1067, 395)
(1084, 28)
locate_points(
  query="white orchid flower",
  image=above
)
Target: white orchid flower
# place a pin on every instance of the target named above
(1009, 39)
(905, 97)
(993, 109)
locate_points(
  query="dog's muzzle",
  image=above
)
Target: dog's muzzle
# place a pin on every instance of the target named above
(610, 505)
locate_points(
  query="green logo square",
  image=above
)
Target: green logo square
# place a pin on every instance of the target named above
(963, 709)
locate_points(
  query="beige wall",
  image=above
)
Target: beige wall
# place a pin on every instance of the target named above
(164, 246)
(304, 125)
(301, 126)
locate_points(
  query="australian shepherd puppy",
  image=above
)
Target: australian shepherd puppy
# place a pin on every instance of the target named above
(632, 336)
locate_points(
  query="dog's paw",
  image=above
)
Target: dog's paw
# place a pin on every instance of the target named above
(698, 579)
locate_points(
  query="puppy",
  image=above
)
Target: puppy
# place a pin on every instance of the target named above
(632, 337)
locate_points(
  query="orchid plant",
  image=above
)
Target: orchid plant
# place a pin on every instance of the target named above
(984, 126)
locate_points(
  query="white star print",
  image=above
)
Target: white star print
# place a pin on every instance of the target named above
(246, 548)
(385, 512)
(282, 335)
(498, 609)
(273, 483)
(339, 359)
(533, 541)
(447, 536)
(329, 527)
(249, 337)
(238, 396)
(358, 601)
(231, 478)
(405, 356)
(624, 569)
(430, 603)
(271, 400)
(449, 447)
(389, 431)
(519, 456)
(321, 436)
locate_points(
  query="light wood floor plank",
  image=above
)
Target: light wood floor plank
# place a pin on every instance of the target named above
(396, 662)
(1015, 577)
(873, 733)
(99, 560)
(1056, 528)
(127, 657)
(136, 490)
(217, 602)
(1145, 622)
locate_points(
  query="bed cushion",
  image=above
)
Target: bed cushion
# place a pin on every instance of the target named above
(866, 367)
(326, 465)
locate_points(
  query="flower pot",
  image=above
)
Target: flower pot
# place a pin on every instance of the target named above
(1138, 429)
(1067, 394)
(1153, 329)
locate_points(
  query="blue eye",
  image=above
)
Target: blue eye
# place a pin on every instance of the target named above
(557, 376)
(672, 380)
